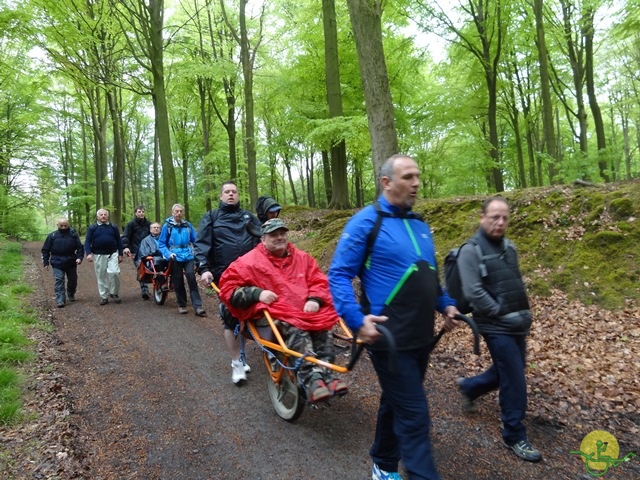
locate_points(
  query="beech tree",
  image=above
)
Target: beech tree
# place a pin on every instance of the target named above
(340, 193)
(366, 20)
(145, 20)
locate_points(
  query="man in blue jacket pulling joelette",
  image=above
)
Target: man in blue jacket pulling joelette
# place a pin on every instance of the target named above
(400, 290)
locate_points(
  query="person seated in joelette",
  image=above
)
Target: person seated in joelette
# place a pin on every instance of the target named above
(287, 282)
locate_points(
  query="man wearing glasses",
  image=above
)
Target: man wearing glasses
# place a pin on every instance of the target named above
(63, 250)
(493, 285)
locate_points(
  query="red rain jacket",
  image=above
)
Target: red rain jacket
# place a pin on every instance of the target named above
(294, 278)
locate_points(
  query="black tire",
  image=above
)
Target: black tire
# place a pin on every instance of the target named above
(159, 295)
(286, 396)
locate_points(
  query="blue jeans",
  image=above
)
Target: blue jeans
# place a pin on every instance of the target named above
(507, 373)
(72, 282)
(402, 430)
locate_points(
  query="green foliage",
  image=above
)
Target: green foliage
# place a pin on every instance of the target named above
(10, 402)
(14, 318)
(568, 237)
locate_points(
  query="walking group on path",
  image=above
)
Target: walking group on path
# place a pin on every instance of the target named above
(257, 268)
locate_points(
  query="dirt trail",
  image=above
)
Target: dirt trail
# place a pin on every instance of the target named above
(151, 398)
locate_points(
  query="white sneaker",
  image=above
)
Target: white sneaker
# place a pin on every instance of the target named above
(238, 373)
(246, 366)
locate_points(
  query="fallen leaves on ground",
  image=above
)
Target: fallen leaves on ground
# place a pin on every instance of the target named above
(583, 365)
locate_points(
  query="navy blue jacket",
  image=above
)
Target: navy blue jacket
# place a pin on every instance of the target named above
(62, 248)
(103, 239)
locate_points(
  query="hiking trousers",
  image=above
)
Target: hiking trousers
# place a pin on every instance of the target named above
(507, 374)
(107, 270)
(72, 282)
(402, 430)
(177, 278)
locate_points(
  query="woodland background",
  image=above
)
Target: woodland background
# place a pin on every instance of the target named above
(114, 103)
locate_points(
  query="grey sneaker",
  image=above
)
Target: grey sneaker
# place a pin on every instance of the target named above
(525, 451)
(468, 404)
(182, 310)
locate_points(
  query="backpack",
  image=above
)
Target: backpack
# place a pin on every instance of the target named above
(452, 280)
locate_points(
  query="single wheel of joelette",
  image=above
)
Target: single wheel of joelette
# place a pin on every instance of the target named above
(159, 295)
(286, 396)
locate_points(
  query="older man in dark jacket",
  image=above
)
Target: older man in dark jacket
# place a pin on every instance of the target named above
(63, 250)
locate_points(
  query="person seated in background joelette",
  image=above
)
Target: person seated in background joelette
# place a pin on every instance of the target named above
(287, 282)
(149, 247)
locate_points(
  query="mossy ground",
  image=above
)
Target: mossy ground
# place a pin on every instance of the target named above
(582, 240)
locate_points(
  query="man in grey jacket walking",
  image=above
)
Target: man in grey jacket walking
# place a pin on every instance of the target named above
(493, 285)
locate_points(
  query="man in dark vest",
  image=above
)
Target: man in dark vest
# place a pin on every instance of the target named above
(494, 287)
(63, 250)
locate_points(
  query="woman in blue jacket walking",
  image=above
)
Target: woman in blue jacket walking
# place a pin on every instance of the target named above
(175, 243)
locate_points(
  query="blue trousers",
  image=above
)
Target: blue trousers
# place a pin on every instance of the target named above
(72, 282)
(506, 374)
(402, 430)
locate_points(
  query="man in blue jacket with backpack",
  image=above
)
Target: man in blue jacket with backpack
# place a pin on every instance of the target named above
(390, 249)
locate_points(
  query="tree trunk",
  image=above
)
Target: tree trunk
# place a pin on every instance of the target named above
(366, 21)
(118, 159)
(156, 55)
(515, 116)
(160, 216)
(287, 164)
(588, 32)
(326, 173)
(340, 198)
(247, 72)
(85, 167)
(577, 69)
(545, 91)
(310, 181)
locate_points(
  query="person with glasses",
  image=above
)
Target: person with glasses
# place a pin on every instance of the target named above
(287, 282)
(494, 287)
(63, 250)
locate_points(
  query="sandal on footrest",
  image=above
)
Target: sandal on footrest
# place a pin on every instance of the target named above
(318, 391)
(338, 387)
